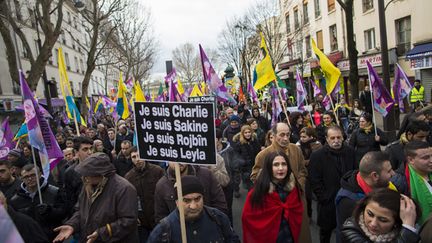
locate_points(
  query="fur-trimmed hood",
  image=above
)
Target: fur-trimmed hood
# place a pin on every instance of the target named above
(289, 185)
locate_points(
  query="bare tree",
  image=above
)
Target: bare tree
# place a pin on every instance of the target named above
(135, 41)
(47, 14)
(187, 63)
(101, 32)
(347, 6)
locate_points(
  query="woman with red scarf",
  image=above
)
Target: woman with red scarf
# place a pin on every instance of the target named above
(273, 211)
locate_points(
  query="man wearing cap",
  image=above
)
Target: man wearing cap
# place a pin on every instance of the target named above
(203, 223)
(233, 128)
(107, 206)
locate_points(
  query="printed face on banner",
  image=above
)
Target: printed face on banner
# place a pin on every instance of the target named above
(176, 132)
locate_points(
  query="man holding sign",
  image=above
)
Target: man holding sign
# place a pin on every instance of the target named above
(203, 223)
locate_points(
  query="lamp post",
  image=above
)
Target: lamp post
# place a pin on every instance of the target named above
(243, 74)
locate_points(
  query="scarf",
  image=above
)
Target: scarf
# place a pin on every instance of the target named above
(419, 192)
(403, 140)
(368, 129)
(367, 189)
(387, 237)
(261, 224)
(93, 193)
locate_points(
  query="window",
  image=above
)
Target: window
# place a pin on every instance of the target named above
(288, 24)
(76, 64)
(67, 61)
(75, 22)
(403, 35)
(333, 38)
(63, 36)
(25, 54)
(82, 65)
(317, 8)
(369, 39)
(51, 59)
(56, 56)
(69, 18)
(296, 19)
(36, 47)
(305, 13)
(308, 46)
(299, 49)
(72, 88)
(367, 4)
(330, 5)
(319, 37)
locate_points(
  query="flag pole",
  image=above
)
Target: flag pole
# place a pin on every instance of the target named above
(37, 176)
(76, 123)
(17, 143)
(333, 107)
(180, 200)
(373, 113)
(283, 104)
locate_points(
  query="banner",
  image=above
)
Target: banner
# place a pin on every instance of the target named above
(6, 139)
(382, 100)
(176, 132)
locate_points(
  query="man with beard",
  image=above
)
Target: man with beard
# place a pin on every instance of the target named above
(374, 172)
(203, 223)
(327, 166)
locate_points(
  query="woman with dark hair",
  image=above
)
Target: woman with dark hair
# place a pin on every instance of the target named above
(273, 211)
(328, 120)
(308, 144)
(253, 123)
(383, 215)
(262, 121)
(364, 139)
(268, 138)
(246, 144)
(296, 121)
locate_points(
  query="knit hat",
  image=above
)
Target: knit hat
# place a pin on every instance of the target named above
(191, 184)
(97, 164)
(235, 118)
(15, 152)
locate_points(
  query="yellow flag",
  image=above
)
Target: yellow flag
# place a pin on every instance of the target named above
(264, 69)
(122, 101)
(139, 94)
(71, 108)
(196, 92)
(331, 73)
(180, 87)
(203, 88)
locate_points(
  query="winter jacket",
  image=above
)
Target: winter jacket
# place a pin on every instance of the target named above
(211, 226)
(116, 205)
(28, 228)
(220, 171)
(72, 188)
(230, 132)
(363, 142)
(296, 161)
(326, 167)
(347, 197)
(248, 151)
(53, 199)
(11, 189)
(232, 159)
(352, 233)
(144, 182)
(397, 154)
(122, 164)
(165, 193)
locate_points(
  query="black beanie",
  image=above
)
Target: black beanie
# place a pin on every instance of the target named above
(191, 184)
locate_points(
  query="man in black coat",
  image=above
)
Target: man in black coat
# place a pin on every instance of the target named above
(9, 185)
(327, 166)
(374, 172)
(365, 99)
(51, 212)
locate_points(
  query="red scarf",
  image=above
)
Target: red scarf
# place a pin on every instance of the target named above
(363, 185)
(262, 224)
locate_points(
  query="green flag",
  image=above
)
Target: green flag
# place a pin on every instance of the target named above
(160, 89)
(281, 83)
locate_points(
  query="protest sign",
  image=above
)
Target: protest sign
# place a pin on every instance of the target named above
(204, 99)
(176, 131)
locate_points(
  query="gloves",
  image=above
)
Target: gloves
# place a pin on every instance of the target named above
(43, 209)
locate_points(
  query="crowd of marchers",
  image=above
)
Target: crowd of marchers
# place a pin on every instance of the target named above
(366, 188)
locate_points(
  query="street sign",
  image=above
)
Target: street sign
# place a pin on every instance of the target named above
(176, 132)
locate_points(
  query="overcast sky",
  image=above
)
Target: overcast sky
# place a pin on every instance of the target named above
(197, 21)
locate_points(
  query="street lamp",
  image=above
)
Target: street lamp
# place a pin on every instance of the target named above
(243, 74)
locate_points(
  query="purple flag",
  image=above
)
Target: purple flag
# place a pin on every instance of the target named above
(171, 76)
(316, 89)
(382, 100)
(326, 102)
(173, 92)
(90, 114)
(252, 92)
(336, 90)
(8, 231)
(6, 139)
(213, 81)
(39, 132)
(276, 106)
(301, 92)
(401, 87)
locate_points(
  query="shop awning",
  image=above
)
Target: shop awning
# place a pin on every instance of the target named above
(420, 51)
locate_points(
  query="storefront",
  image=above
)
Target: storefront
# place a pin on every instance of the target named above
(421, 62)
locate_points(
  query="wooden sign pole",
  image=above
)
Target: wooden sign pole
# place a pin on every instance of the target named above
(179, 203)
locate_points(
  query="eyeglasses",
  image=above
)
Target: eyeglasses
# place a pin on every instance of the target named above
(28, 177)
